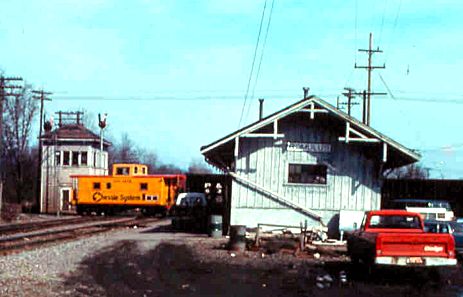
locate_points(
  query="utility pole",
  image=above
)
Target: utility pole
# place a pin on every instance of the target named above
(364, 113)
(40, 95)
(3, 95)
(350, 94)
(369, 68)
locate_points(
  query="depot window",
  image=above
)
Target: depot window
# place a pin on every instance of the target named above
(143, 186)
(96, 186)
(307, 174)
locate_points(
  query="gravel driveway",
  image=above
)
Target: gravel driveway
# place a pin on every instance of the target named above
(149, 262)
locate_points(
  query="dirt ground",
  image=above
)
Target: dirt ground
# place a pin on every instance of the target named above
(199, 266)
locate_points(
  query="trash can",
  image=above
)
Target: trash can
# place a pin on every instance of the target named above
(237, 238)
(215, 226)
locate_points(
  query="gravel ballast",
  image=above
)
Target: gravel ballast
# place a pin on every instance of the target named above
(146, 262)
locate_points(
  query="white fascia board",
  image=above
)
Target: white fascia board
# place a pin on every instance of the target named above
(260, 124)
(370, 130)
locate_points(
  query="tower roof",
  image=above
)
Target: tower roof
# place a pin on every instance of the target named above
(73, 132)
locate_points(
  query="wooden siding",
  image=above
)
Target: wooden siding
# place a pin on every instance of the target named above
(352, 178)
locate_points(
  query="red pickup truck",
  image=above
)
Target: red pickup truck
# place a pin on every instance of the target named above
(397, 237)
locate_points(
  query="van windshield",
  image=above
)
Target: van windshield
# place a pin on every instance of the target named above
(398, 222)
(403, 204)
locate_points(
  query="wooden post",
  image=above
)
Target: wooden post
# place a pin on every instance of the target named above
(257, 236)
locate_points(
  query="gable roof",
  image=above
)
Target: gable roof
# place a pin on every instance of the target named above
(409, 155)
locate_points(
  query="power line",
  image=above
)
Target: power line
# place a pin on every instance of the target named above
(396, 19)
(356, 17)
(237, 97)
(382, 22)
(261, 57)
(253, 62)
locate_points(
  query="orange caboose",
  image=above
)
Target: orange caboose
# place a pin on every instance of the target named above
(130, 186)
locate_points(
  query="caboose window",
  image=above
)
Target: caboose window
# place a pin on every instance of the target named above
(96, 186)
(143, 186)
(135, 169)
(307, 174)
(122, 171)
(108, 186)
(143, 170)
(66, 158)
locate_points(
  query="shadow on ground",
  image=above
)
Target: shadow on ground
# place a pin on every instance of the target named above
(174, 270)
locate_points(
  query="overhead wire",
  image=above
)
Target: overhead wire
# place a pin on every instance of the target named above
(394, 27)
(457, 100)
(261, 58)
(382, 22)
(253, 62)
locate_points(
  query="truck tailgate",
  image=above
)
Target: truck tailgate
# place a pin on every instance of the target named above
(422, 245)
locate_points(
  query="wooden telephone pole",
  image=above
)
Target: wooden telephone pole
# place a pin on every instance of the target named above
(3, 94)
(369, 68)
(40, 95)
(350, 94)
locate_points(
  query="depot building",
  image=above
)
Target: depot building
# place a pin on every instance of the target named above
(307, 161)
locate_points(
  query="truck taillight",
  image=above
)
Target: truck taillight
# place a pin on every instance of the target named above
(378, 252)
(451, 254)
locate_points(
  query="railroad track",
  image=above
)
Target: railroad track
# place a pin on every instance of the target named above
(30, 226)
(18, 242)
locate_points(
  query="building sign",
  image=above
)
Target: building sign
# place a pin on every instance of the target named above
(308, 147)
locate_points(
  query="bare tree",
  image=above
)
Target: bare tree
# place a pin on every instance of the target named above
(199, 166)
(150, 159)
(412, 171)
(19, 112)
(124, 151)
(167, 169)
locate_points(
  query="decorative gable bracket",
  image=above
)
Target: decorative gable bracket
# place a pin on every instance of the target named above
(312, 110)
(356, 137)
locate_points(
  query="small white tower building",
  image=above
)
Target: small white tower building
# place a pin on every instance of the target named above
(70, 149)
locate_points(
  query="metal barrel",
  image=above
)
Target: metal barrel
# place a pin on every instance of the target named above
(215, 226)
(237, 238)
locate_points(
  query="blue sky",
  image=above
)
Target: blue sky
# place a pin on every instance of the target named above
(173, 74)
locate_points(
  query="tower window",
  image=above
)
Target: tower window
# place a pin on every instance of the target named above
(83, 158)
(58, 158)
(75, 158)
(66, 158)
